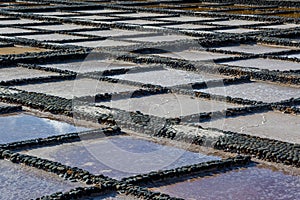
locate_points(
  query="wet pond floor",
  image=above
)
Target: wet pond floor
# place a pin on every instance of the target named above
(193, 55)
(120, 156)
(77, 88)
(60, 27)
(235, 22)
(22, 182)
(11, 30)
(237, 30)
(169, 105)
(101, 43)
(269, 64)
(257, 91)
(282, 26)
(163, 38)
(19, 127)
(247, 183)
(112, 33)
(51, 37)
(273, 125)
(254, 48)
(168, 77)
(84, 66)
(12, 73)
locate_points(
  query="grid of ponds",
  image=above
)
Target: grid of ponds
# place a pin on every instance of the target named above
(105, 99)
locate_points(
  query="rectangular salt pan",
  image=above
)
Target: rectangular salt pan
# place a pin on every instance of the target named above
(12, 73)
(168, 77)
(257, 91)
(53, 13)
(94, 17)
(282, 26)
(269, 64)
(111, 33)
(77, 88)
(162, 38)
(237, 30)
(51, 37)
(140, 14)
(101, 43)
(139, 22)
(278, 126)
(194, 55)
(10, 30)
(169, 105)
(249, 183)
(23, 182)
(21, 127)
(236, 22)
(254, 48)
(188, 26)
(185, 19)
(19, 21)
(127, 156)
(104, 11)
(85, 66)
(61, 27)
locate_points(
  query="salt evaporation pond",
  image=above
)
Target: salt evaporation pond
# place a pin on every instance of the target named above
(269, 64)
(168, 77)
(249, 183)
(77, 88)
(273, 125)
(23, 182)
(256, 91)
(25, 127)
(254, 48)
(169, 105)
(119, 157)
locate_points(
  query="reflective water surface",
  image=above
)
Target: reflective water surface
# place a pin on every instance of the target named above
(24, 127)
(22, 182)
(251, 184)
(119, 157)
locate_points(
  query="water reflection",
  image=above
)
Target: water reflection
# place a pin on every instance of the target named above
(250, 183)
(24, 127)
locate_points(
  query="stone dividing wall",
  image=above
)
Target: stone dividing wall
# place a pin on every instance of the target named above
(43, 102)
(104, 184)
(9, 109)
(61, 139)
(188, 170)
(265, 149)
